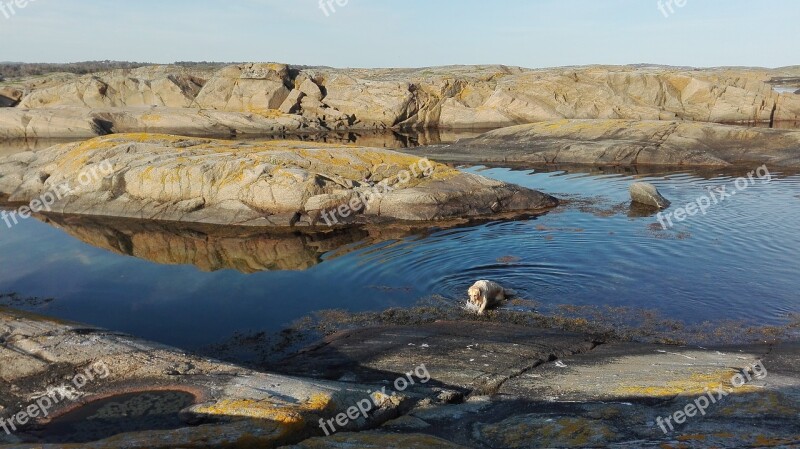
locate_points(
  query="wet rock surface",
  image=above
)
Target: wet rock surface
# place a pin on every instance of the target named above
(490, 385)
(628, 143)
(268, 184)
(466, 357)
(577, 392)
(648, 195)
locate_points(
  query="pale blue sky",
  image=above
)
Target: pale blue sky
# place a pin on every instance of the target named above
(407, 33)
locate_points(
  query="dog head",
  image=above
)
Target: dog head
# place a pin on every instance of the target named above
(475, 295)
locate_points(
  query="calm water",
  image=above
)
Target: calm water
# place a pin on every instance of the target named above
(192, 288)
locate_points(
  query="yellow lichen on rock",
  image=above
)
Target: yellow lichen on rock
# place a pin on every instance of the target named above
(695, 384)
(288, 414)
(267, 183)
(244, 408)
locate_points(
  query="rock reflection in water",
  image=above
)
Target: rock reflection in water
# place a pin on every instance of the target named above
(391, 139)
(213, 248)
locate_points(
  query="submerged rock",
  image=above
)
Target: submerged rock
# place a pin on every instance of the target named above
(628, 143)
(648, 194)
(279, 183)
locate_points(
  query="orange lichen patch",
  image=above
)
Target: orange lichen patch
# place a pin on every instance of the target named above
(318, 402)
(254, 409)
(679, 82)
(723, 435)
(176, 157)
(693, 385)
(246, 408)
(679, 446)
(763, 441)
(268, 113)
(151, 117)
(697, 437)
(80, 154)
(568, 127)
(466, 92)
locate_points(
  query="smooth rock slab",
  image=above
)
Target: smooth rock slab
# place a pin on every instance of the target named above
(471, 356)
(78, 122)
(539, 432)
(628, 143)
(278, 184)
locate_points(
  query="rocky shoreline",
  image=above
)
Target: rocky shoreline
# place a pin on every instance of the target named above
(490, 383)
(487, 385)
(627, 143)
(272, 98)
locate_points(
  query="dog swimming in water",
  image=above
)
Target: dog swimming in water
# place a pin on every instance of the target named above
(484, 295)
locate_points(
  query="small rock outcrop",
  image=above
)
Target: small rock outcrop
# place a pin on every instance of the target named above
(629, 143)
(279, 183)
(648, 195)
(247, 88)
(10, 97)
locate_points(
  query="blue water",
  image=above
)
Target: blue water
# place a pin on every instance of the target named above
(739, 262)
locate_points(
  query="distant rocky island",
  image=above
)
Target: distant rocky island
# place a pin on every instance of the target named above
(271, 98)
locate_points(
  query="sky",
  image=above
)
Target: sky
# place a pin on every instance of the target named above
(406, 33)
